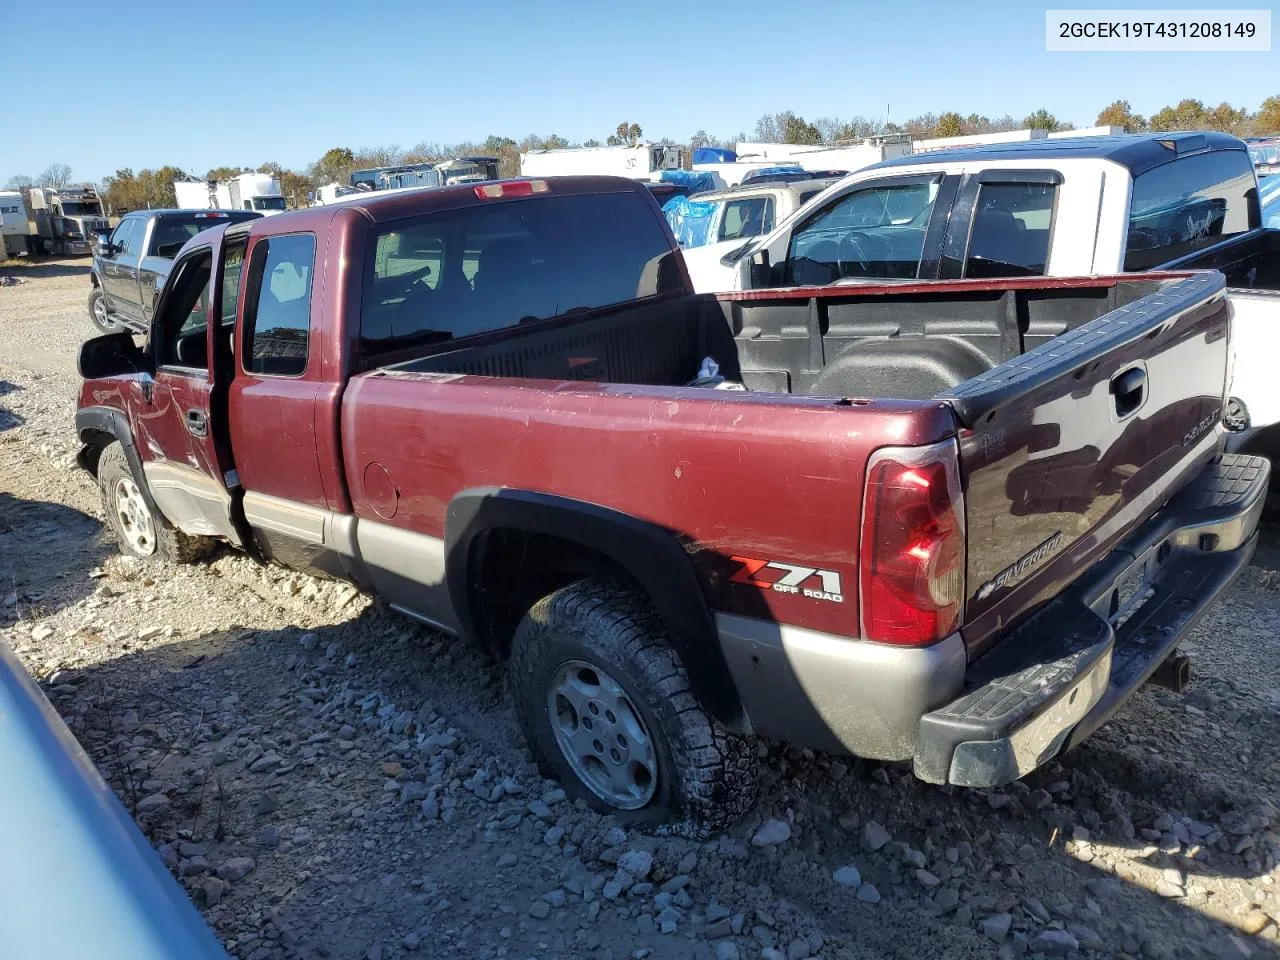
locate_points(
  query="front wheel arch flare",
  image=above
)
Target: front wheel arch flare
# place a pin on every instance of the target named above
(651, 556)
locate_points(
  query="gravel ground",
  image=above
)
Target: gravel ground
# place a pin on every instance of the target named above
(328, 779)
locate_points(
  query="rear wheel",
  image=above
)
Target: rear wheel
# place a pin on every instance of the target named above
(605, 706)
(98, 312)
(140, 530)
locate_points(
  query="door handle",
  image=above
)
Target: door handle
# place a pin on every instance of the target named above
(197, 425)
(1129, 389)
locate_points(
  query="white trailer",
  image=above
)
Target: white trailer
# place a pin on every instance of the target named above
(13, 224)
(644, 161)
(330, 192)
(194, 195)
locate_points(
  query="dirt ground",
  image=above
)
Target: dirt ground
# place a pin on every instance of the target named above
(329, 779)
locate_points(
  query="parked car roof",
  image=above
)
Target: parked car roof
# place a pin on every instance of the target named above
(1137, 152)
(178, 212)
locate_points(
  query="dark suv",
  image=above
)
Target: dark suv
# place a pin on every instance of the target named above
(130, 264)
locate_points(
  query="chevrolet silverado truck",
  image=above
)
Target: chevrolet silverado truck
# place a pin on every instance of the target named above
(954, 524)
(1056, 208)
(131, 262)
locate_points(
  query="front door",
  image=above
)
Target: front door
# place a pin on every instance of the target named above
(116, 269)
(186, 460)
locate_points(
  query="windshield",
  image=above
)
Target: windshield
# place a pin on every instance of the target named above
(268, 203)
(1268, 153)
(73, 209)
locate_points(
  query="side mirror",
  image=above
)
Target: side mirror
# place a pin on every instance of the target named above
(111, 355)
(102, 238)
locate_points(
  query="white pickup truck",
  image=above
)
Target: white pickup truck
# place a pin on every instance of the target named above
(743, 213)
(1072, 207)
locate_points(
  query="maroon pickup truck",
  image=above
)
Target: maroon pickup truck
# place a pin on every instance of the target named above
(953, 523)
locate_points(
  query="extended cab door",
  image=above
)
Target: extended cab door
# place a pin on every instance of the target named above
(180, 436)
(119, 269)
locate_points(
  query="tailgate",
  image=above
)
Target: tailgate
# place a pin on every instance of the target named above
(1070, 446)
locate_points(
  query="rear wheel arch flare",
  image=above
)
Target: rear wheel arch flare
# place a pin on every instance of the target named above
(647, 554)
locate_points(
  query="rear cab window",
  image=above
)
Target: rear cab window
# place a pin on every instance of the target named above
(488, 266)
(278, 300)
(1190, 203)
(1011, 230)
(170, 233)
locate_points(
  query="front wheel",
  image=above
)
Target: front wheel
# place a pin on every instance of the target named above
(140, 530)
(98, 312)
(605, 706)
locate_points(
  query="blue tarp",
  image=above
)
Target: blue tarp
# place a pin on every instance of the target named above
(690, 220)
(1269, 198)
(786, 168)
(714, 155)
(697, 181)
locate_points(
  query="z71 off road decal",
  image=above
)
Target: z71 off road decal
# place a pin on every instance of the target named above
(789, 578)
(1011, 574)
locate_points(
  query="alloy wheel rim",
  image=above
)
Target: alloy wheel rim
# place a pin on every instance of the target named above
(602, 735)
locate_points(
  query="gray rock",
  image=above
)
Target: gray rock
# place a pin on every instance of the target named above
(771, 833)
(1163, 823)
(213, 889)
(236, 868)
(874, 836)
(848, 877)
(1054, 942)
(867, 893)
(268, 761)
(556, 898)
(726, 950)
(718, 928)
(430, 808)
(688, 863)
(540, 810)
(676, 883)
(540, 909)
(265, 803)
(1169, 890)
(612, 890)
(154, 803)
(411, 941)
(309, 641)
(193, 866)
(638, 863)
(927, 879)
(946, 900)
(772, 953)
(996, 926)
(413, 792)
(507, 860)
(798, 949)
(553, 836)
(716, 911)
(269, 837)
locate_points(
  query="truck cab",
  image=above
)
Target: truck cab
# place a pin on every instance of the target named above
(132, 261)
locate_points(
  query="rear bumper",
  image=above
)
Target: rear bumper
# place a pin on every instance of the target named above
(1062, 673)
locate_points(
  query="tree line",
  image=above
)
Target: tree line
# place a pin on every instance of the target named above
(127, 190)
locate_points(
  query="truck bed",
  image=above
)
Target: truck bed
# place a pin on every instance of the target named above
(892, 341)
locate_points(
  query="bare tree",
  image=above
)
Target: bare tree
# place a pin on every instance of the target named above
(56, 175)
(19, 182)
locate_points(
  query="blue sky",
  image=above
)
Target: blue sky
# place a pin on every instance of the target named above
(142, 83)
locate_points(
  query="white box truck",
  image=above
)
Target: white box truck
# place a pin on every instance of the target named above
(644, 161)
(250, 191)
(13, 224)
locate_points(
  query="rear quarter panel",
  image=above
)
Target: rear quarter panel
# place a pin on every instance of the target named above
(730, 474)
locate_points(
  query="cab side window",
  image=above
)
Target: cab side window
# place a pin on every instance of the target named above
(123, 237)
(184, 315)
(278, 300)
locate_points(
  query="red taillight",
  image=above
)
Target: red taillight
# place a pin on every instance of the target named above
(512, 188)
(912, 553)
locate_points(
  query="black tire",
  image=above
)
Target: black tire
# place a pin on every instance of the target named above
(98, 313)
(168, 543)
(706, 777)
